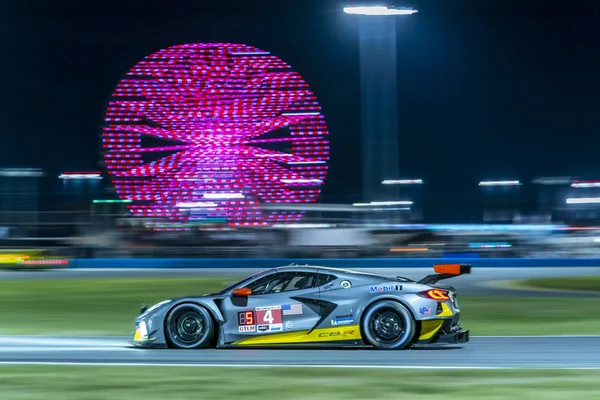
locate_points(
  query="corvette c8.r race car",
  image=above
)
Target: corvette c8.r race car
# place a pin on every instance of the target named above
(314, 306)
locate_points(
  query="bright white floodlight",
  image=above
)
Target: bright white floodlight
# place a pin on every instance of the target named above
(379, 10)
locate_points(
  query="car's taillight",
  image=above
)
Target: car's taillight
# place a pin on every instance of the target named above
(436, 294)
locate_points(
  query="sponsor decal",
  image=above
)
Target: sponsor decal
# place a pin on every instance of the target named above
(385, 288)
(246, 318)
(345, 284)
(247, 328)
(425, 311)
(270, 328)
(292, 309)
(343, 320)
(341, 334)
(267, 308)
(289, 325)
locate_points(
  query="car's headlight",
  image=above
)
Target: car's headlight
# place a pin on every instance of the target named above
(154, 307)
(143, 329)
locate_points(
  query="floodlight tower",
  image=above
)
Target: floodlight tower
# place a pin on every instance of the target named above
(379, 98)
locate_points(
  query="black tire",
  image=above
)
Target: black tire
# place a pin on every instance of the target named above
(189, 326)
(388, 325)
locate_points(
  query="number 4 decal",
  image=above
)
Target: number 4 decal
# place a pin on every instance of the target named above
(268, 317)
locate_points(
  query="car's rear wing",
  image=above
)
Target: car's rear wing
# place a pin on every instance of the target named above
(445, 271)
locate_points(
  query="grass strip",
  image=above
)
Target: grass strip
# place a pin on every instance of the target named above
(149, 383)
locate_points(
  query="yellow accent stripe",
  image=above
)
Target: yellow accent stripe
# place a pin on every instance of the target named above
(430, 328)
(446, 311)
(351, 332)
(137, 336)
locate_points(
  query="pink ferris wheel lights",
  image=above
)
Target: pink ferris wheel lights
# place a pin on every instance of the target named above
(228, 125)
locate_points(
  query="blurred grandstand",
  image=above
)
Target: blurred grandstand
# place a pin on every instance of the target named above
(76, 220)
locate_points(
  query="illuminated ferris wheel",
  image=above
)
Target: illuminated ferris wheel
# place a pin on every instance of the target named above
(212, 131)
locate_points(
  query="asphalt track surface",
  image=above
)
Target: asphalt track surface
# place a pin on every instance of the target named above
(482, 352)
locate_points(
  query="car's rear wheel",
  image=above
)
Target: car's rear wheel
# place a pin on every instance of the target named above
(388, 325)
(189, 326)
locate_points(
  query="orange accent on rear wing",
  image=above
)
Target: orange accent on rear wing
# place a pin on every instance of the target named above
(445, 271)
(452, 269)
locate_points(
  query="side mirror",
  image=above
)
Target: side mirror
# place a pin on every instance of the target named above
(242, 292)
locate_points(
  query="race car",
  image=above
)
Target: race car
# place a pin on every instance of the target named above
(310, 306)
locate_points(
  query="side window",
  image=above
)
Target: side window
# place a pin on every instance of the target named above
(324, 279)
(301, 280)
(283, 282)
(261, 285)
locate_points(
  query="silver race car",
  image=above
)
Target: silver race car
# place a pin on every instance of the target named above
(314, 306)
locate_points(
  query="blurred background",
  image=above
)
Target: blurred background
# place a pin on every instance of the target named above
(78, 215)
(465, 129)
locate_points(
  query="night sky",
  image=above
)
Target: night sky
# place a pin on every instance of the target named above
(488, 89)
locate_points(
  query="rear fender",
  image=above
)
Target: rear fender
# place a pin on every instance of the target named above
(375, 300)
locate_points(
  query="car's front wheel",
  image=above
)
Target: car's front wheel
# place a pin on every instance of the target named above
(388, 325)
(189, 326)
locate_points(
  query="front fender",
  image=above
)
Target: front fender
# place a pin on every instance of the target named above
(209, 303)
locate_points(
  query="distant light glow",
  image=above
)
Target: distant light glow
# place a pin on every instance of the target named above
(499, 183)
(407, 249)
(402, 182)
(301, 113)
(379, 10)
(22, 172)
(250, 53)
(111, 201)
(305, 162)
(80, 175)
(197, 204)
(489, 245)
(583, 200)
(44, 262)
(488, 227)
(223, 195)
(302, 226)
(560, 180)
(383, 203)
(315, 181)
(585, 184)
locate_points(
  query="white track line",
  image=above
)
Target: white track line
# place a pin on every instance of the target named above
(212, 365)
(32, 349)
(55, 341)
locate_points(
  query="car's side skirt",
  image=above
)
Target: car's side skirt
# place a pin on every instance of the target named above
(350, 333)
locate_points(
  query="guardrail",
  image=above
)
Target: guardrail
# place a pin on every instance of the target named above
(257, 263)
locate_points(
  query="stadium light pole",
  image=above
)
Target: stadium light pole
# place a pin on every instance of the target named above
(379, 98)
